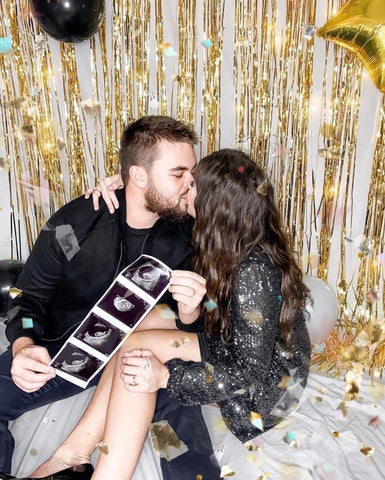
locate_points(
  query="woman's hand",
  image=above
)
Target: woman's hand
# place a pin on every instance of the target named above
(141, 371)
(106, 188)
(188, 289)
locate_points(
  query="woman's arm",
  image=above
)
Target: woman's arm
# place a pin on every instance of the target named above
(231, 370)
(106, 189)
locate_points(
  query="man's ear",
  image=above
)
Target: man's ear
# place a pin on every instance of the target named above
(138, 175)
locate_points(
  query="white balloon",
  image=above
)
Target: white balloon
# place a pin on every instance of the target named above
(323, 312)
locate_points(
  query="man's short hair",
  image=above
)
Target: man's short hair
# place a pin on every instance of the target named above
(138, 144)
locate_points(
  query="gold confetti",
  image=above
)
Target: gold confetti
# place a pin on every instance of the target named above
(256, 420)
(91, 106)
(255, 317)
(5, 164)
(23, 132)
(199, 477)
(336, 434)
(226, 471)
(284, 383)
(165, 441)
(250, 458)
(353, 382)
(102, 447)
(366, 450)
(262, 188)
(15, 292)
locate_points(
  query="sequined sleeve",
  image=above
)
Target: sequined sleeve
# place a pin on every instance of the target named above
(244, 376)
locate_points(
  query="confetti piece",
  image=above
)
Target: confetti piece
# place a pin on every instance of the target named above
(61, 143)
(336, 434)
(27, 322)
(15, 292)
(309, 32)
(5, 45)
(366, 450)
(284, 383)
(209, 369)
(262, 188)
(5, 165)
(102, 447)
(199, 477)
(165, 441)
(23, 132)
(241, 391)
(353, 382)
(33, 452)
(176, 344)
(241, 169)
(90, 106)
(66, 237)
(374, 422)
(290, 439)
(207, 43)
(170, 52)
(372, 296)
(226, 471)
(341, 411)
(319, 348)
(250, 458)
(317, 400)
(255, 317)
(256, 420)
(210, 305)
(164, 311)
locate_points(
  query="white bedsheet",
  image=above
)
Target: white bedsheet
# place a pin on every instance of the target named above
(327, 445)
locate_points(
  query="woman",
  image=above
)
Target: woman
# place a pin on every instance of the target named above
(254, 352)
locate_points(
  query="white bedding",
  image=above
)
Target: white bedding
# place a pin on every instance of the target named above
(327, 446)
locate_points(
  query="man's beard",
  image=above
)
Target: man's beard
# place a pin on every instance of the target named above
(160, 205)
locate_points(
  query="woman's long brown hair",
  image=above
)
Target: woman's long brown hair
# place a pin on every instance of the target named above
(235, 214)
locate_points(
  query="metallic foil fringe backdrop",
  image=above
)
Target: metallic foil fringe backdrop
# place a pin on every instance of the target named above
(250, 75)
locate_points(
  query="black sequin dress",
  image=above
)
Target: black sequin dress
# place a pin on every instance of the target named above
(254, 382)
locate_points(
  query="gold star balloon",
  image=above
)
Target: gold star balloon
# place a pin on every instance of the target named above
(359, 26)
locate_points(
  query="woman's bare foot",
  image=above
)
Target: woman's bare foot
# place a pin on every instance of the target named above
(60, 460)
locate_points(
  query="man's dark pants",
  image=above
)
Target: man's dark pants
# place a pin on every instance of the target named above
(187, 422)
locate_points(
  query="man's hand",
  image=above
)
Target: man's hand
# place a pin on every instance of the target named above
(141, 371)
(188, 289)
(30, 368)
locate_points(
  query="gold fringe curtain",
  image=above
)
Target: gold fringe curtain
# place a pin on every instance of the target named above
(61, 130)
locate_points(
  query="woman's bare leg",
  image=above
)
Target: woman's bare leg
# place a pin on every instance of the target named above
(130, 414)
(88, 432)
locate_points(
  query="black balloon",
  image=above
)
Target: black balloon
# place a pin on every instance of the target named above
(9, 273)
(70, 21)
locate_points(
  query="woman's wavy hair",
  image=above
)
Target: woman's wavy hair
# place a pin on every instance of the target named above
(235, 214)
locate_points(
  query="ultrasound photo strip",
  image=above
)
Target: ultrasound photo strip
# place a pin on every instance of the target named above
(119, 311)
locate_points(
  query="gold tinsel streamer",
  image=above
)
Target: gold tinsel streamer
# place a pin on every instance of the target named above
(187, 72)
(55, 148)
(210, 113)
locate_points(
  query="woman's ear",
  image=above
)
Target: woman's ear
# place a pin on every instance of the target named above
(138, 175)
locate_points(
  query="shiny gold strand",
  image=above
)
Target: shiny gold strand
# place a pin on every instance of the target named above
(371, 272)
(272, 78)
(161, 94)
(187, 72)
(213, 28)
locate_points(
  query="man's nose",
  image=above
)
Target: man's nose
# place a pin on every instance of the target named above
(188, 178)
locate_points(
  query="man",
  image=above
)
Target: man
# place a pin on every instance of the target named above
(74, 260)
